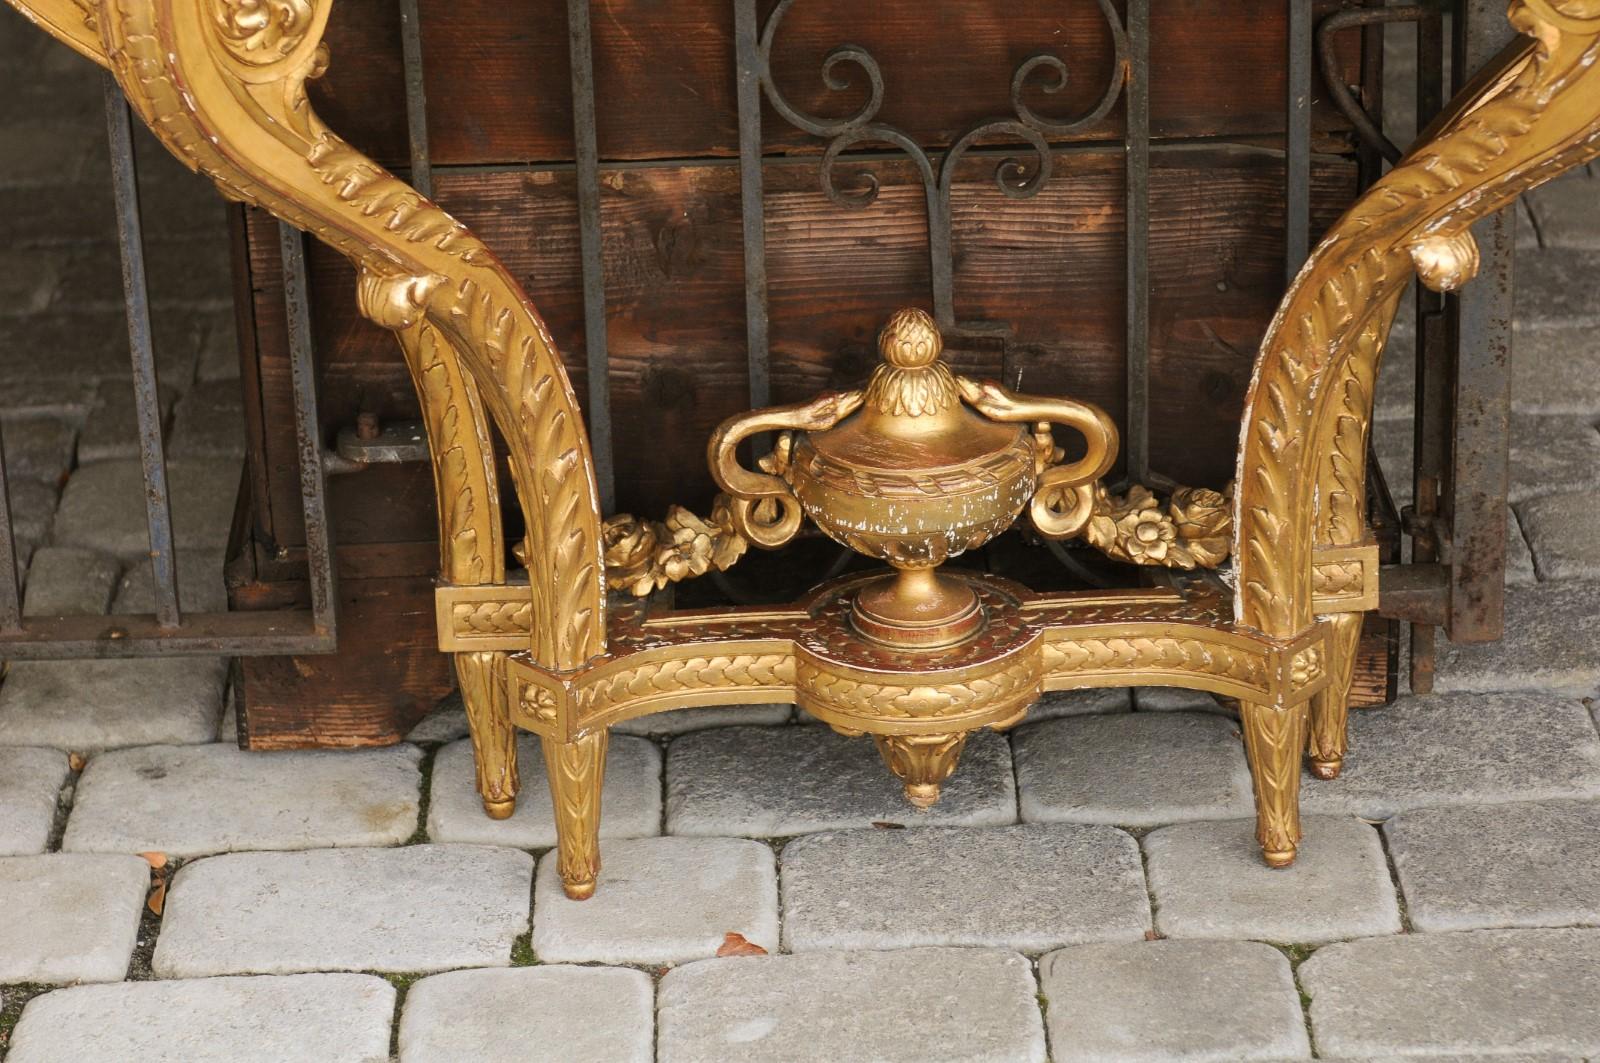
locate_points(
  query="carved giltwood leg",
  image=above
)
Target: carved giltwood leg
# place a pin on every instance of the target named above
(922, 762)
(1273, 741)
(494, 737)
(577, 770)
(1330, 709)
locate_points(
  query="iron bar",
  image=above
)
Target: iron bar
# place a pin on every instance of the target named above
(586, 154)
(1367, 128)
(1479, 478)
(1297, 141)
(1137, 432)
(416, 98)
(269, 633)
(10, 582)
(1418, 593)
(146, 393)
(751, 72)
(1435, 344)
(313, 480)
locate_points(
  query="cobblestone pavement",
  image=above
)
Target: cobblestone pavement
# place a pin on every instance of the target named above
(1088, 889)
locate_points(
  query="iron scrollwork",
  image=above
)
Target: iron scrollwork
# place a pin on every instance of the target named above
(1014, 176)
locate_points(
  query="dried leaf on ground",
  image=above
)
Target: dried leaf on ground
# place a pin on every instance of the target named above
(155, 859)
(737, 945)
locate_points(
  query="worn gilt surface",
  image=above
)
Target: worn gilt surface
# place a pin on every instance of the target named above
(914, 468)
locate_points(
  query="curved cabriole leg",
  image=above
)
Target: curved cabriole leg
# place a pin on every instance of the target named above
(1330, 708)
(922, 762)
(1273, 739)
(577, 771)
(494, 737)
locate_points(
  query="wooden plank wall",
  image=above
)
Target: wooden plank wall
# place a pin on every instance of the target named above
(500, 125)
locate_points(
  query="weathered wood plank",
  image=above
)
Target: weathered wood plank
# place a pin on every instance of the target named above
(499, 90)
(1052, 266)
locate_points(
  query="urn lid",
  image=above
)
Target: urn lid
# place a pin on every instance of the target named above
(912, 418)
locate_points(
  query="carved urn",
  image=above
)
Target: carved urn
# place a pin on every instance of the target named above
(916, 468)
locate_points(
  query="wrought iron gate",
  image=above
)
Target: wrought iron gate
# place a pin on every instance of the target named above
(1457, 526)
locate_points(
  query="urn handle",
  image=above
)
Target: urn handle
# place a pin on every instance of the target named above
(764, 508)
(1063, 498)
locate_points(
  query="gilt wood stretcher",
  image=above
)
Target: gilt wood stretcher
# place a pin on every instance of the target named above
(920, 659)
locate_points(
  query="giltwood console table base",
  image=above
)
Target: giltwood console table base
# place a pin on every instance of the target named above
(222, 84)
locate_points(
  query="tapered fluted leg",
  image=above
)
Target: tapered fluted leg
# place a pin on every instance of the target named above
(577, 770)
(494, 737)
(1274, 739)
(1330, 710)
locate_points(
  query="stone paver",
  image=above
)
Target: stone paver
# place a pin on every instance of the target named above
(1062, 883)
(913, 1006)
(768, 782)
(1551, 454)
(446, 723)
(1526, 864)
(547, 1014)
(38, 448)
(46, 396)
(1060, 703)
(30, 782)
(630, 796)
(1567, 216)
(1208, 881)
(1176, 699)
(195, 800)
(1551, 644)
(67, 581)
(219, 348)
(103, 506)
(1172, 1000)
(1520, 569)
(1561, 534)
(682, 721)
(90, 705)
(1556, 287)
(309, 1018)
(111, 429)
(1451, 749)
(1481, 991)
(69, 917)
(1548, 454)
(33, 507)
(200, 585)
(420, 908)
(1557, 371)
(208, 422)
(1137, 770)
(659, 900)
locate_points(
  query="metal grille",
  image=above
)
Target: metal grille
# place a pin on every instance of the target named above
(168, 631)
(1464, 342)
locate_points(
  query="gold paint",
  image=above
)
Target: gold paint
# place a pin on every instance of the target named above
(922, 762)
(918, 466)
(577, 776)
(494, 740)
(1196, 531)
